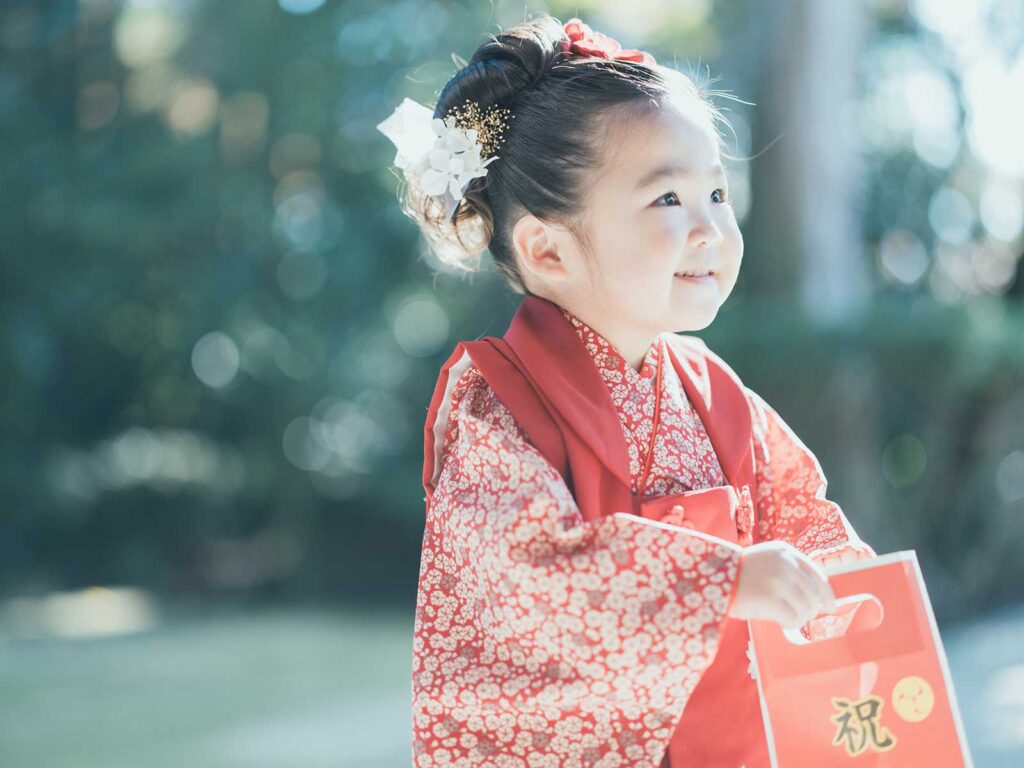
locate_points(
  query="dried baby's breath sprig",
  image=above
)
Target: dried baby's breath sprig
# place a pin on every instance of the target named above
(489, 124)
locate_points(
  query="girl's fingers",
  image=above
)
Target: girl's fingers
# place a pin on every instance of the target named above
(790, 610)
(804, 601)
(816, 584)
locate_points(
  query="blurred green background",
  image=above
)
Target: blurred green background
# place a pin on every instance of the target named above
(220, 336)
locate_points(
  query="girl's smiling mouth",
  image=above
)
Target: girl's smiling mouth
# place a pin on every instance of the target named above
(696, 277)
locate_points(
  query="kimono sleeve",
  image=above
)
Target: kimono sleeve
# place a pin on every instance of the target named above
(791, 489)
(792, 507)
(541, 634)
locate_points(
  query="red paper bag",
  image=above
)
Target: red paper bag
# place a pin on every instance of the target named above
(875, 693)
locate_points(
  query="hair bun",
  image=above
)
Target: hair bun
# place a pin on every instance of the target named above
(510, 63)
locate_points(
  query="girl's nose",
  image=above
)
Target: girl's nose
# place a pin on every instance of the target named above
(705, 233)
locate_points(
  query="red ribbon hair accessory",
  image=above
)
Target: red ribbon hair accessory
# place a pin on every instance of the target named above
(581, 40)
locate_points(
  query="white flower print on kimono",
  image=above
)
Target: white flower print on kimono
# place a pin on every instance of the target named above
(542, 640)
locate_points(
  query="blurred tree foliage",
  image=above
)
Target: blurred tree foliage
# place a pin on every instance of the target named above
(220, 334)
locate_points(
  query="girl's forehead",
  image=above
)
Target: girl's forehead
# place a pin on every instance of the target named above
(667, 137)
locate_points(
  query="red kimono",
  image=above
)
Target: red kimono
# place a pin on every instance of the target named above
(584, 529)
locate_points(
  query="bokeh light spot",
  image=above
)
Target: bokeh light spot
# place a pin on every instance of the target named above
(215, 359)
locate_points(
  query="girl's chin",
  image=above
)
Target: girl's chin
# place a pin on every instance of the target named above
(696, 312)
(696, 318)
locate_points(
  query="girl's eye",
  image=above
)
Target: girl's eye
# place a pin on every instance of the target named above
(724, 197)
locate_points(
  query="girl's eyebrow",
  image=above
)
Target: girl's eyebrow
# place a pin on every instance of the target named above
(674, 169)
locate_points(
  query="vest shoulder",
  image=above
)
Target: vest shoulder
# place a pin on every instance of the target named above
(686, 341)
(691, 346)
(696, 347)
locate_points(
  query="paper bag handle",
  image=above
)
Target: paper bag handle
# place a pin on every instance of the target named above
(867, 611)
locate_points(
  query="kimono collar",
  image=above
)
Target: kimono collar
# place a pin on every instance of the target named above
(552, 353)
(609, 360)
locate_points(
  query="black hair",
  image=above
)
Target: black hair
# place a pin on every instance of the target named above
(563, 105)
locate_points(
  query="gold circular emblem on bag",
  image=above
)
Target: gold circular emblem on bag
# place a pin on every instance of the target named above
(913, 699)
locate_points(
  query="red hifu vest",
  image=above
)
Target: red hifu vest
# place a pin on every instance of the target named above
(542, 372)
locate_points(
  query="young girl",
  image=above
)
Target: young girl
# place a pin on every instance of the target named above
(607, 504)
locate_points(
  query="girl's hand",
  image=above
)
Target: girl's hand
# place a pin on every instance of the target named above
(847, 554)
(779, 583)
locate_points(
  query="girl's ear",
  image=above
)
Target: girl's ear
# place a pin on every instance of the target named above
(537, 245)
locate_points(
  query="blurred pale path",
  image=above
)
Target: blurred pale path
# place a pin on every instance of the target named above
(311, 689)
(295, 689)
(986, 660)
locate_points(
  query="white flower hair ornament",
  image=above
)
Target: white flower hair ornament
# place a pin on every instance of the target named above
(443, 156)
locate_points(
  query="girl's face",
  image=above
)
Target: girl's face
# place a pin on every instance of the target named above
(658, 206)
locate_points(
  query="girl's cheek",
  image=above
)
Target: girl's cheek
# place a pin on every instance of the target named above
(666, 230)
(676, 230)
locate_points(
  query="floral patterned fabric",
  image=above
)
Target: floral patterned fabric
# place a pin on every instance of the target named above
(543, 640)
